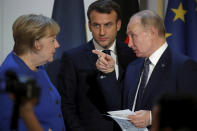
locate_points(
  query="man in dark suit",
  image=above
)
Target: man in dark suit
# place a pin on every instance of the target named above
(166, 71)
(87, 93)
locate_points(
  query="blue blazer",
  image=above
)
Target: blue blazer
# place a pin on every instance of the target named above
(85, 96)
(48, 110)
(174, 73)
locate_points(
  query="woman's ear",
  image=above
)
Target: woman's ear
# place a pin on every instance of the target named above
(37, 45)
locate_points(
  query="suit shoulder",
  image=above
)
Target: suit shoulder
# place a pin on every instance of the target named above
(136, 62)
(78, 51)
(180, 58)
(9, 62)
(124, 49)
(122, 45)
(125, 52)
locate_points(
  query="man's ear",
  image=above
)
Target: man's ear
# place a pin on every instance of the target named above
(37, 45)
(153, 31)
(89, 25)
(119, 25)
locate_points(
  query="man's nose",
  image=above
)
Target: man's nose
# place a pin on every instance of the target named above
(130, 44)
(102, 30)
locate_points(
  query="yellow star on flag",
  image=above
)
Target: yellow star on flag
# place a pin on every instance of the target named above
(168, 35)
(179, 13)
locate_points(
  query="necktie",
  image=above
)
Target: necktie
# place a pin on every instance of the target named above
(143, 83)
(107, 52)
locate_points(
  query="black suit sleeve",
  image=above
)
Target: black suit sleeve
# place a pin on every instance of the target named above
(67, 84)
(110, 87)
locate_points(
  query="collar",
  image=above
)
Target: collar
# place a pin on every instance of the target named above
(154, 58)
(100, 48)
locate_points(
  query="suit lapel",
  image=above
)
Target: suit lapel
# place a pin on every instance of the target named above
(157, 75)
(134, 77)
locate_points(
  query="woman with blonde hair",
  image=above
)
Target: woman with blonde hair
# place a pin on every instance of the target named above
(34, 45)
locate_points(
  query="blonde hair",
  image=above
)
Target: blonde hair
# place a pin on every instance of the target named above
(31, 27)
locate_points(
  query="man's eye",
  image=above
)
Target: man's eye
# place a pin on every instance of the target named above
(108, 24)
(96, 25)
(133, 36)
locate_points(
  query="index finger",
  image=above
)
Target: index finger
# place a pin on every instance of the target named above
(99, 53)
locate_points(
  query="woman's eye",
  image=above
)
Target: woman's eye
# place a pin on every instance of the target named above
(52, 41)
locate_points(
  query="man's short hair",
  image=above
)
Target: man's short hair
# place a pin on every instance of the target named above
(151, 18)
(104, 6)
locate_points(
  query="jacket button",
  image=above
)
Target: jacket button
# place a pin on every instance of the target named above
(50, 88)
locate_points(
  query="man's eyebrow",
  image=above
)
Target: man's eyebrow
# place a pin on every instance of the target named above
(108, 22)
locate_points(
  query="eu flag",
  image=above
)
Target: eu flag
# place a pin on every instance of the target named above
(181, 26)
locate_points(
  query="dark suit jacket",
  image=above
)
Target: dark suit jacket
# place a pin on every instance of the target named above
(85, 96)
(174, 73)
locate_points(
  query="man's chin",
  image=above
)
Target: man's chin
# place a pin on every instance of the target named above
(138, 55)
(104, 44)
(50, 60)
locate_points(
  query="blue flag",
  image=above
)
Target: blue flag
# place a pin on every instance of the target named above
(70, 15)
(181, 26)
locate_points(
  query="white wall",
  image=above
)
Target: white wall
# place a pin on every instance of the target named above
(11, 9)
(1, 30)
(86, 4)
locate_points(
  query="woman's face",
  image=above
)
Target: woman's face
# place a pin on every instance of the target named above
(47, 46)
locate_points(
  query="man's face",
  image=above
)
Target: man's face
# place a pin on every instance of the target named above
(139, 38)
(104, 27)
